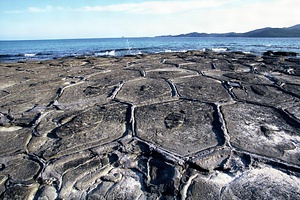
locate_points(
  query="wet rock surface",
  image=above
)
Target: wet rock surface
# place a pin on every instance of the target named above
(193, 125)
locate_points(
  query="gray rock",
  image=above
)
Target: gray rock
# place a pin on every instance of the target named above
(145, 91)
(262, 130)
(187, 125)
(267, 183)
(201, 88)
(182, 127)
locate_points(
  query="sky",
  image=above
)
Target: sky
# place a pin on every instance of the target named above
(61, 19)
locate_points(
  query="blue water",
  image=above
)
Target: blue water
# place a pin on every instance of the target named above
(51, 49)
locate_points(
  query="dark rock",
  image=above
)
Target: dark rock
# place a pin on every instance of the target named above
(279, 53)
(188, 132)
(192, 125)
(265, 183)
(249, 133)
(201, 88)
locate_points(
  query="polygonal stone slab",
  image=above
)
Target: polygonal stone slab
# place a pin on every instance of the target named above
(145, 91)
(262, 130)
(168, 73)
(113, 76)
(244, 77)
(262, 94)
(19, 101)
(266, 183)
(84, 94)
(21, 192)
(13, 139)
(201, 88)
(20, 169)
(183, 127)
(198, 65)
(87, 129)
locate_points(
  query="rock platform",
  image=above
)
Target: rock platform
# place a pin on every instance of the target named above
(193, 125)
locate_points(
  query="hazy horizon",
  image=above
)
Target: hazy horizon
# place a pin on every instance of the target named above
(60, 19)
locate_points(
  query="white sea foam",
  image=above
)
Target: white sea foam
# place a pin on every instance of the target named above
(170, 51)
(107, 53)
(29, 54)
(111, 53)
(219, 49)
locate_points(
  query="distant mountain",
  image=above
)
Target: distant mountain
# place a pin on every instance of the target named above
(293, 31)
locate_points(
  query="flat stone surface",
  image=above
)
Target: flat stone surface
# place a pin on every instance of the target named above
(13, 139)
(20, 169)
(86, 129)
(168, 73)
(182, 127)
(262, 130)
(202, 89)
(262, 94)
(145, 91)
(267, 183)
(186, 125)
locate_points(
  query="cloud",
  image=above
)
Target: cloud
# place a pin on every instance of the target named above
(158, 7)
(32, 10)
(148, 7)
(40, 10)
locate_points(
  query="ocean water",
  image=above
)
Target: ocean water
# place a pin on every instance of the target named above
(50, 49)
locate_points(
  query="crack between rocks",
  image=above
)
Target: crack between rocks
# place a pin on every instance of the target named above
(132, 120)
(169, 156)
(117, 89)
(185, 188)
(269, 160)
(173, 88)
(223, 126)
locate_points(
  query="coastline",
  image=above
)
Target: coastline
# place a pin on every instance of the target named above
(50, 49)
(165, 125)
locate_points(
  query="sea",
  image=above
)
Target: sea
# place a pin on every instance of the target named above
(20, 50)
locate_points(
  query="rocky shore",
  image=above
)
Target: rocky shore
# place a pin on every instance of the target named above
(193, 125)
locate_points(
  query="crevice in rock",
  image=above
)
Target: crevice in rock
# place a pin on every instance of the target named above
(168, 156)
(116, 90)
(229, 90)
(132, 120)
(218, 126)
(223, 125)
(173, 88)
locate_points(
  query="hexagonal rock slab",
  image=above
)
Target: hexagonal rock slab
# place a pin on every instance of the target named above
(83, 95)
(262, 130)
(243, 77)
(266, 183)
(21, 192)
(201, 88)
(13, 139)
(263, 94)
(169, 72)
(87, 129)
(145, 91)
(183, 127)
(20, 169)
